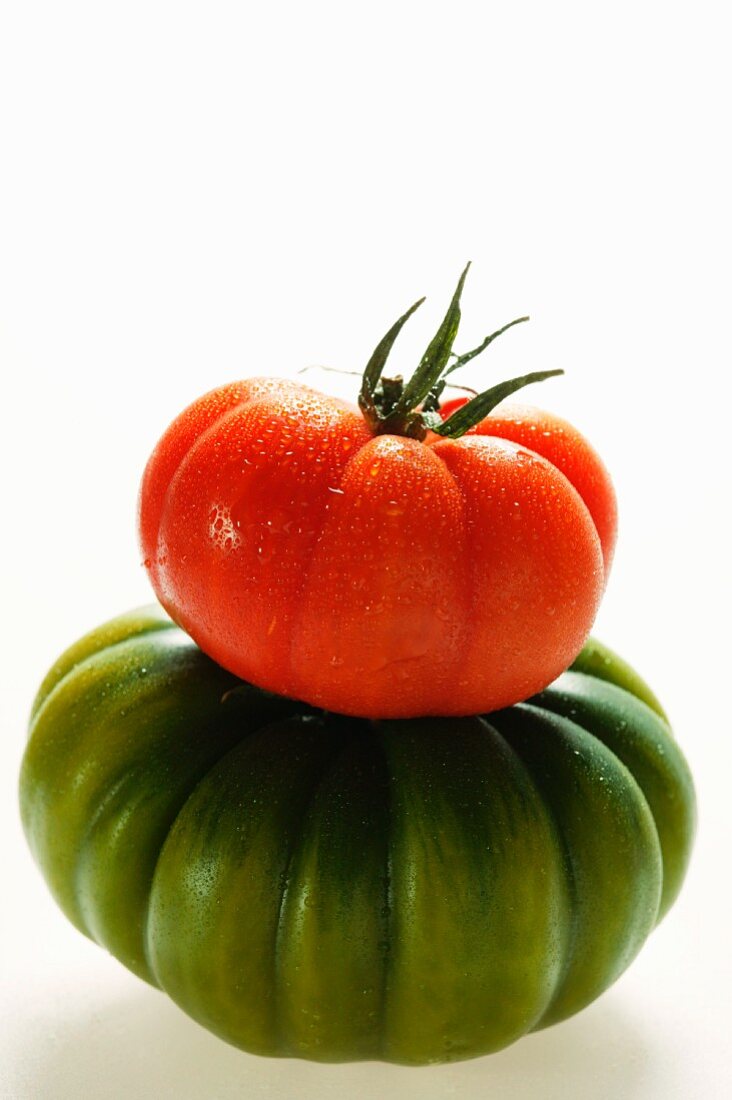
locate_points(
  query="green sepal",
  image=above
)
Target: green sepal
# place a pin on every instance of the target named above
(466, 417)
(376, 363)
(461, 360)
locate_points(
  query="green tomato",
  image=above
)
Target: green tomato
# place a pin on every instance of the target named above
(333, 888)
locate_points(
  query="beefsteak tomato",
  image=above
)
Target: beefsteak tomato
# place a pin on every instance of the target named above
(330, 888)
(380, 562)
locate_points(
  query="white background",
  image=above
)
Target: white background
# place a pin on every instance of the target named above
(196, 192)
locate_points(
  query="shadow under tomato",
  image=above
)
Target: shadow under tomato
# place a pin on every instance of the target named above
(143, 1046)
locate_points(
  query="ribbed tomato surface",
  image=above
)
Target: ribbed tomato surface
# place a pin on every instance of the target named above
(309, 885)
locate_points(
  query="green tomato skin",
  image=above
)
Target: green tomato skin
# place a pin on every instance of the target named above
(329, 888)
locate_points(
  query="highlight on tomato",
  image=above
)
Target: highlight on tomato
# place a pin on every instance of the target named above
(403, 558)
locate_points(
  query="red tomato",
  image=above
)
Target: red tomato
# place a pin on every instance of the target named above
(376, 575)
(390, 562)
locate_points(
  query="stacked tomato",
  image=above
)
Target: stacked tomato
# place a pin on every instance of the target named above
(347, 801)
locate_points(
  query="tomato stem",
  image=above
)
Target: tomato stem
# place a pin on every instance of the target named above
(412, 409)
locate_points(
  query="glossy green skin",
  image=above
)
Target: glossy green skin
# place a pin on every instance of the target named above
(329, 888)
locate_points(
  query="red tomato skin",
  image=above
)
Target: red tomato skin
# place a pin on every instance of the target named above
(560, 442)
(369, 575)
